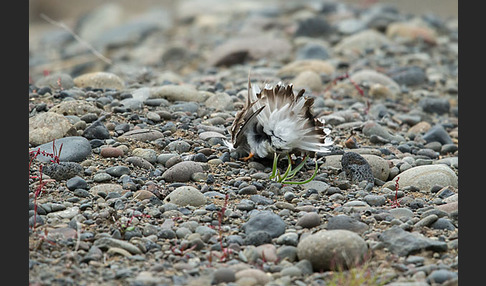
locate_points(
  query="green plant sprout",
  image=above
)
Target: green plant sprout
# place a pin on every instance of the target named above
(289, 173)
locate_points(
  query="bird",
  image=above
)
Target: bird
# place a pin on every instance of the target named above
(275, 121)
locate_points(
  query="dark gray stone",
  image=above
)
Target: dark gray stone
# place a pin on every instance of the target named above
(437, 133)
(404, 243)
(96, 131)
(118, 171)
(74, 149)
(258, 238)
(76, 183)
(266, 221)
(345, 222)
(435, 105)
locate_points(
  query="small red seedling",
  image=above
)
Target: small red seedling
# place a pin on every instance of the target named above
(55, 159)
(395, 202)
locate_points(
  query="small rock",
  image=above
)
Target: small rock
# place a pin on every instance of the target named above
(99, 80)
(440, 276)
(362, 41)
(409, 32)
(224, 275)
(296, 67)
(105, 243)
(437, 133)
(182, 172)
(308, 80)
(346, 222)
(96, 130)
(328, 249)
(425, 177)
(74, 149)
(309, 220)
(76, 182)
(118, 171)
(186, 195)
(435, 105)
(178, 93)
(109, 151)
(144, 135)
(147, 154)
(266, 221)
(48, 126)
(75, 107)
(404, 243)
(256, 276)
(372, 128)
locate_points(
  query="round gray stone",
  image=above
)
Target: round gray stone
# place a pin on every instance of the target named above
(330, 249)
(186, 195)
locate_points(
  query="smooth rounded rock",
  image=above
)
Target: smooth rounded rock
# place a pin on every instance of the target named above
(74, 149)
(309, 220)
(99, 80)
(266, 221)
(48, 126)
(182, 172)
(425, 177)
(328, 249)
(186, 195)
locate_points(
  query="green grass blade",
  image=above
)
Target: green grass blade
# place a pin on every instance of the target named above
(306, 181)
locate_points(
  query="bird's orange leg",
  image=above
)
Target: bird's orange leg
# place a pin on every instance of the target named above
(248, 157)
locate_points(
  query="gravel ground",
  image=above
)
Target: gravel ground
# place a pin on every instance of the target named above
(131, 183)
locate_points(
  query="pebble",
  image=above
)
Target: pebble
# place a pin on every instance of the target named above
(186, 195)
(178, 93)
(76, 182)
(425, 177)
(441, 275)
(140, 162)
(182, 172)
(437, 133)
(99, 80)
(147, 154)
(111, 152)
(106, 243)
(296, 67)
(224, 275)
(371, 128)
(74, 149)
(409, 32)
(118, 171)
(75, 108)
(144, 135)
(327, 249)
(48, 126)
(266, 221)
(404, 243)
(309, 220)
(360, 42)
(56, 81)
(252, 277)
(96, 130)
(343, 221)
